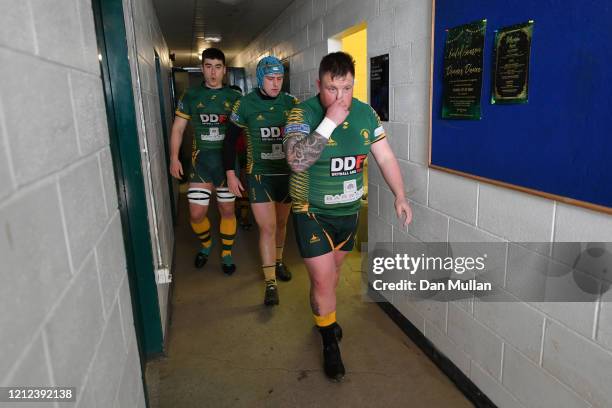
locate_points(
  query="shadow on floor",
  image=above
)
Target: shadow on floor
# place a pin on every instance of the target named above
(225, 349)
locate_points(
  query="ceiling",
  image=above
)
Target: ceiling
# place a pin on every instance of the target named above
(185, 23)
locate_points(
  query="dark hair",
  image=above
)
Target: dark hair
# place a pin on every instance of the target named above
(338, 64)
(213, 53)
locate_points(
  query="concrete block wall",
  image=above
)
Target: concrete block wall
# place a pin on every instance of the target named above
(145, 39)
(66, 311)
(519, 354)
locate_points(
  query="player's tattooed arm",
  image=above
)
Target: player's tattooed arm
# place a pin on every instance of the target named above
(302, 150)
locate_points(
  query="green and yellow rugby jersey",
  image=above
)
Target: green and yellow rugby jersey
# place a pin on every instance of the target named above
(333, 185)
(263, 120)
(208, 111)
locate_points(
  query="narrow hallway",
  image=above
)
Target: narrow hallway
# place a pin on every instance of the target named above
(226, 349)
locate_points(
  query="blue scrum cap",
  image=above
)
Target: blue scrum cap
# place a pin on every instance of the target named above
(267, 66)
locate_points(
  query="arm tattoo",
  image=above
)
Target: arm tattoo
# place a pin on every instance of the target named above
(302, 151)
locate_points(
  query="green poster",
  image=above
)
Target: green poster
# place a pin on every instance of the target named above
(511, 64)
(462, 76)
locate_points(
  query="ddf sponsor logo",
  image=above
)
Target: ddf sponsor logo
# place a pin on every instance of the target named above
(271, 133)
(212, 118)
(347, 165)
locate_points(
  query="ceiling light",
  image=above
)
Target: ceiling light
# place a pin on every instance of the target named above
(214, 39)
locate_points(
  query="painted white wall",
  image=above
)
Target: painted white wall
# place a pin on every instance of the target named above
(67, 316)
(144, 39)
(519, 354)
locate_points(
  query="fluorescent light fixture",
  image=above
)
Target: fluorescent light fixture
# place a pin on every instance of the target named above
(213, 39)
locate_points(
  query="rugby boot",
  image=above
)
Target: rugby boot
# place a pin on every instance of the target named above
(337, 331)
(227, 264)
(271, 295)
(282, 272)
(332, 360)
(202, 257)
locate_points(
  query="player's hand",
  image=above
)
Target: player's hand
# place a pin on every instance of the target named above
(337, 111)
(402, 208)
(176, 169)
(234, 184)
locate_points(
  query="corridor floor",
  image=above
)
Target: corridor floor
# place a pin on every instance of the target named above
(226, 349)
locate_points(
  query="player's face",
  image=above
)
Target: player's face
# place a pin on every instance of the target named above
(213, 70)
(331, 90)
(272, 84)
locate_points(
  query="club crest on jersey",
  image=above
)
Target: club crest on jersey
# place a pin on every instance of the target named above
(347, 165)
(260, 117)
(345, 125)
(314, 238)
(200, 105)
(269, 133)
(213, 118)
(366, 136)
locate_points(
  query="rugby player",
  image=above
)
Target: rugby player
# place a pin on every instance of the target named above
(208, 108)
(263, 114)
(327, 139)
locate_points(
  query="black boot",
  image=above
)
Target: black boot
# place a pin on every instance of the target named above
(227, 265)
(271, 295)
(200, 259)
(337, 331)
(332, 360)
(282, 272)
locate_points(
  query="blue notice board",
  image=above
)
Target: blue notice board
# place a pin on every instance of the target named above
(559, 144)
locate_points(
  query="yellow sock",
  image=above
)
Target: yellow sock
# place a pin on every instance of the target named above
(269, 272)
(327, 320)
(228, 233)
(279, 254)
(202, 230)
